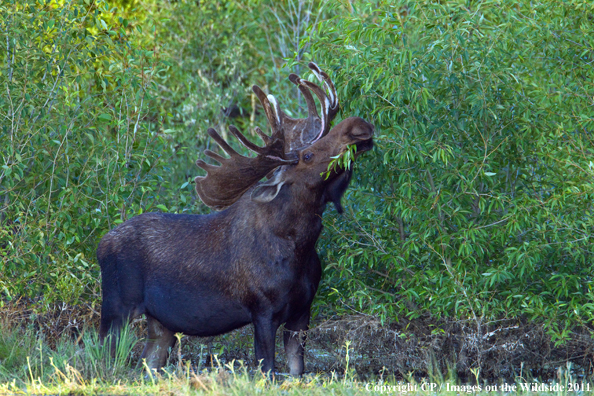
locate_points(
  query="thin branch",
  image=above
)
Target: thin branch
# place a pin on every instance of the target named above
(8, 51)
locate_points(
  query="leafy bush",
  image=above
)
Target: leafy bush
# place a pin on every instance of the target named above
(79, 143)
(477, 202)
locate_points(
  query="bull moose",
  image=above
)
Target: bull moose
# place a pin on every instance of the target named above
(253, 260)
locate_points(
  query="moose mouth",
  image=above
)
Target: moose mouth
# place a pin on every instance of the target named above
(364, 145)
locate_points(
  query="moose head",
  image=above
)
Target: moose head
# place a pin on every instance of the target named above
(299, 150)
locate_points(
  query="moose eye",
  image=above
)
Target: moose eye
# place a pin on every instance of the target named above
(307, 157)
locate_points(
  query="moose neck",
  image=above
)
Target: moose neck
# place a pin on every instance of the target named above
(294, 214)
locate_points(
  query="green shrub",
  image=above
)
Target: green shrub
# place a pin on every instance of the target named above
(79, 143)
(477, 202)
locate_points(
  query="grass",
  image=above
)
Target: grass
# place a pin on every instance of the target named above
(79, 365)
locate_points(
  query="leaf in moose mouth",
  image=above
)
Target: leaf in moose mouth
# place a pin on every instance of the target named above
(342, 160)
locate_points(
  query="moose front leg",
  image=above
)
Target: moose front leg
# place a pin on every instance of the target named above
(160, 339)
(294, 338)
(264, 338)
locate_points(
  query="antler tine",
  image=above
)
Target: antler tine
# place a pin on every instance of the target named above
(263, 136)
(273, 147)
(323, 77)
(219, 158)
(273, 112)
(312, 110)
(244, 141)
(283, 127)
(205, 166)
(325, 106)
(221, 142)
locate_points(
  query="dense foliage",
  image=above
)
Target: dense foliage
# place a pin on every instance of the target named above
(77, 150)
(476, 202)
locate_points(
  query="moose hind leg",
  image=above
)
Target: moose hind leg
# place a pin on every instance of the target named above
(109, 331)
(160, 339)
(113, 317)
(294, 339)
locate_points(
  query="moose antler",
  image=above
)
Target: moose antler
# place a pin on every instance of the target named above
(328, 101)
(225, 184)
(302, 132)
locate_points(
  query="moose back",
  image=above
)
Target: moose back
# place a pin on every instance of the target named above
(253, 260)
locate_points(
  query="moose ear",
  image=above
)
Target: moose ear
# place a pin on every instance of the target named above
(268, 190)
(335, 190)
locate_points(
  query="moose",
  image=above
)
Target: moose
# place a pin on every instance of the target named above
(252, 260)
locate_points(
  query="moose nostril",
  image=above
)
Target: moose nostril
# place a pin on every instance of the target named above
(365, 132)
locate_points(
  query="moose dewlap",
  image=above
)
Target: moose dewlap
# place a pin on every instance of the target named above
(252, 261)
